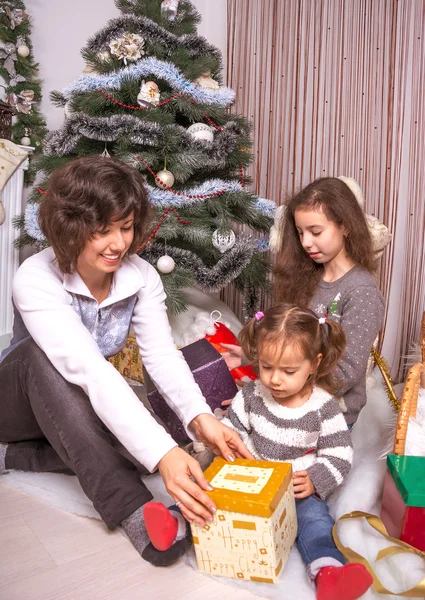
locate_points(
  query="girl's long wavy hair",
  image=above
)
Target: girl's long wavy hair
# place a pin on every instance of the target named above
(295, 273)
(287, 324)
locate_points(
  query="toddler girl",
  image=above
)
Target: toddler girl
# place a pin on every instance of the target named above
(290, 414)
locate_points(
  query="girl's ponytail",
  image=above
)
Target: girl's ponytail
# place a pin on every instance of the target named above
(332, 348)
(247, 339)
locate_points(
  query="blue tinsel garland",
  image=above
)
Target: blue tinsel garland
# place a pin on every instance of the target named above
(165, 199)
(151, 66)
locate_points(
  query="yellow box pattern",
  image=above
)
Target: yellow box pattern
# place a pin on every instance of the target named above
(255, 524)
(128, 361)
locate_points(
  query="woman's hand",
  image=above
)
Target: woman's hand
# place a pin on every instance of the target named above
(303, 486)
(177, 468)
(219, 438)
(232, 358)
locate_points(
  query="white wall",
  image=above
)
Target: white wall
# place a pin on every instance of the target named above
(61, 28)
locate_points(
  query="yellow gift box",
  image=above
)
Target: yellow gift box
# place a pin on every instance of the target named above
(128, 361)
(255, 524)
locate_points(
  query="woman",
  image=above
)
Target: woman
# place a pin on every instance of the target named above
(62, 405)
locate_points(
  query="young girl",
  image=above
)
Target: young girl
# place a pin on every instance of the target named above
(326, 262)
(63, 407)
(291, 415)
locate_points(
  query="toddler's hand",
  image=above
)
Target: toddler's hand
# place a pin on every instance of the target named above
(303, 486)
(226, 403)
(233, 358)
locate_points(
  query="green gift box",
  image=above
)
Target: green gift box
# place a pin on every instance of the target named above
(403, 503)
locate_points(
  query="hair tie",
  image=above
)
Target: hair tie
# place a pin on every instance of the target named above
(322, 320)
(259, 315)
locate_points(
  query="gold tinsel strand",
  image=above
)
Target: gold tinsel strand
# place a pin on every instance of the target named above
(388, 382)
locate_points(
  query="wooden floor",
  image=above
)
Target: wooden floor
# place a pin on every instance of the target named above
(47, 554)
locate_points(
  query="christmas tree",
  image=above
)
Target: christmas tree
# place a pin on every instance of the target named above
(19, 72)
(154, 98)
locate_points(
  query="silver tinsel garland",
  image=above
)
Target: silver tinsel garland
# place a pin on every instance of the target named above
(209, 279)
(63, 141)
(108, 129)
(148, 29)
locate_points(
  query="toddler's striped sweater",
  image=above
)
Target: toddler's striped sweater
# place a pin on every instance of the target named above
(313, 437)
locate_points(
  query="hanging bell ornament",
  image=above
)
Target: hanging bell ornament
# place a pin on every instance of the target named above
(164, 179)
(169, 9)
(149, 94)
(223, 241)
(23, 50)
(165, 264)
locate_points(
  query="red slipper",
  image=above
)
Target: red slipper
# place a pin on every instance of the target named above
(160, 524)
(343, 583)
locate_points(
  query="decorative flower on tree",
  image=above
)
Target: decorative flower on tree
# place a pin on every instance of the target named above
(16, 16)
(23, 101)
(128, 47)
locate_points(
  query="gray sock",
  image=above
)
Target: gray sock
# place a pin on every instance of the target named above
(3, 448)
(135, 528)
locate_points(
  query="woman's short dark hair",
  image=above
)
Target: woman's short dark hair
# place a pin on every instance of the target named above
(83, 197)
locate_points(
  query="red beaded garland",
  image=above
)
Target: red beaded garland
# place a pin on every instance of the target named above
(158, 225)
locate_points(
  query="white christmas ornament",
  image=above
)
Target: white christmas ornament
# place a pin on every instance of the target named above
(23, 50)
(149, 94)
(165, 264)
(26, 141)
(200, 131)
(223, 241)
(165, 179)
(207, 82)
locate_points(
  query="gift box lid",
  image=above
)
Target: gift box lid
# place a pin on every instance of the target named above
(408, 473)
(252, 487)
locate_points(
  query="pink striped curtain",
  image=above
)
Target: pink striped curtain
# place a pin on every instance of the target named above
(337, 88)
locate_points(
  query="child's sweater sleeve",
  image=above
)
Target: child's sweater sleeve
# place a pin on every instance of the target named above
(334, 451)
(237, 416)
(361, 319)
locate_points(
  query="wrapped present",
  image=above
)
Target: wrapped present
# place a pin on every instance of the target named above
(128, 361)
(224, 335)
(210, 373)
(255, 524)
(403, 503)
